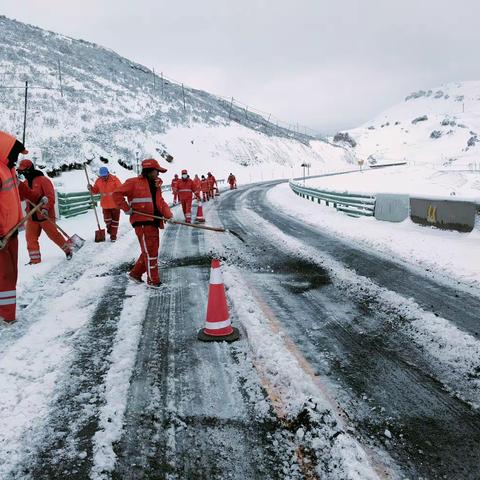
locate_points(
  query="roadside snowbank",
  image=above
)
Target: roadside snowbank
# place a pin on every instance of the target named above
(451, 254)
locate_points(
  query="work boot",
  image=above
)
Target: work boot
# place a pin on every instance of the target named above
(133, 278)
(6, 322)
(155, 285)
(113, 239)
(69, 255)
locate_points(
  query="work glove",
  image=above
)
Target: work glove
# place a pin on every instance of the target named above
(44, 212)
(44, 200)
(170, 220)
(89, 188)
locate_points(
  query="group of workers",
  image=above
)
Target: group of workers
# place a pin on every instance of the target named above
(140, 198)
(205, 187)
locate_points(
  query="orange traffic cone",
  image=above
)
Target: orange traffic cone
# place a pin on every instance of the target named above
(217, 325)
(200, 218)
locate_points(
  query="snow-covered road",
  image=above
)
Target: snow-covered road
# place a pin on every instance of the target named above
(349, 366)
(397, 351)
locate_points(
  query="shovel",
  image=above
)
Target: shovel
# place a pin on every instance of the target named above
(100, 233)
(6, 238)
(75, 241)
(202, 227)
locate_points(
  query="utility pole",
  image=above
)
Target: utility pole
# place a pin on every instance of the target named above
(183, 93)
(303, 165)
(230, 111)
(60, 77)
(25, 112)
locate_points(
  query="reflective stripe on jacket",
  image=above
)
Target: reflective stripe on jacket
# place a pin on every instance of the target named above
(185, 189)
(137, 190)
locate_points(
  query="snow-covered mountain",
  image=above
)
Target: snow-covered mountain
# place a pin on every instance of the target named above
(85, 101)
(435, 131)
(438, 126)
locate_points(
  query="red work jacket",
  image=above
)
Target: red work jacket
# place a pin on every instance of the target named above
(137, 190)
(105, 186)
(186, 189)
(10, 208)
(41, 187)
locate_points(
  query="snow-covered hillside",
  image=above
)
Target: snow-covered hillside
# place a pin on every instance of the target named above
(86, 101)
(436, 131)
(438, 127)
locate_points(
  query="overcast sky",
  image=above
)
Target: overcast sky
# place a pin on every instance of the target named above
(327, 64)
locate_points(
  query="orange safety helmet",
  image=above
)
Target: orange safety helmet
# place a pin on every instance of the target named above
(152, 163)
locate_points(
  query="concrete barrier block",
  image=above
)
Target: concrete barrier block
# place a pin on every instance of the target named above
(391, 207)
(443, 213)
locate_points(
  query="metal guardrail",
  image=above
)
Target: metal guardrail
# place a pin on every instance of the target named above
(72, 204)
(353, 204)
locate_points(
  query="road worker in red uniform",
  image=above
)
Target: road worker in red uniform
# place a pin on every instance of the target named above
(10, 216)
(186, 190)
(212, 184)
(205, 189)
(144, 194)
(42, 187)
(232, 181)
(174, 186)
(197, 183)
(105, 185)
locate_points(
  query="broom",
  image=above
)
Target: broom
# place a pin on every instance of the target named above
(100, 233)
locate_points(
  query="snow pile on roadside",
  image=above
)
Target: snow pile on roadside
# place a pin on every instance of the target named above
(295, 394)
(452, 254)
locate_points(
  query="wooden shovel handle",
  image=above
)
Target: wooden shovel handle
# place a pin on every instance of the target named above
(91, 195)
(65, 234)
(178, 222)
(6, 238)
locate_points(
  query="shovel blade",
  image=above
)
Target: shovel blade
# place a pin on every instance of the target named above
(100, 235)
(76, 242)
